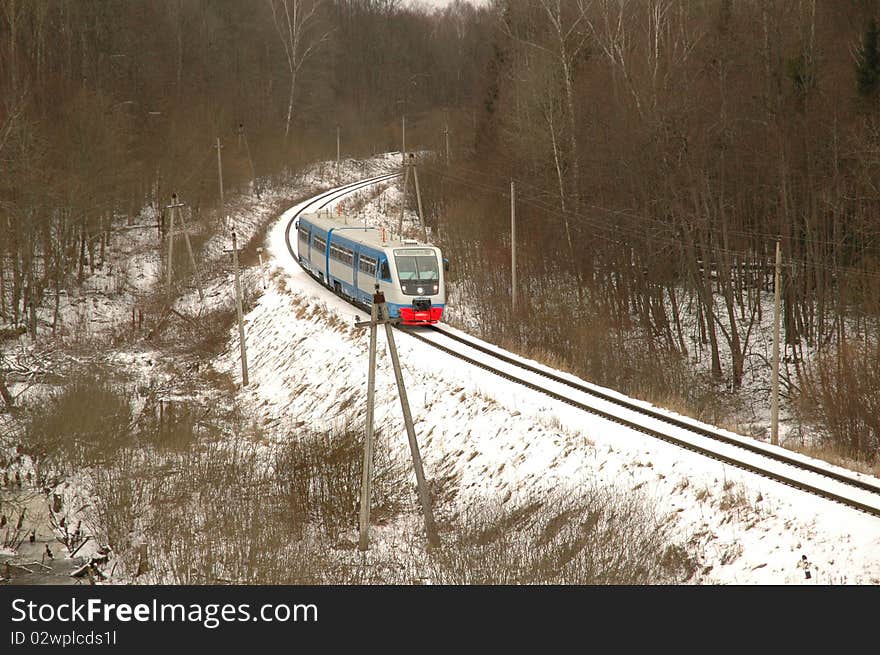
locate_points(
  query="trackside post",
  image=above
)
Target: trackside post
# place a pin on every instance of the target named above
(241, 343)
(366, 480)
(380, 317)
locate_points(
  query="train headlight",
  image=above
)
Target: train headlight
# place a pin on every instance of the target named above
(420, 291)
(436, 288)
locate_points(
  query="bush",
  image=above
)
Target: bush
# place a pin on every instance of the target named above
(319, 477)
(84, 422)
(840, 393)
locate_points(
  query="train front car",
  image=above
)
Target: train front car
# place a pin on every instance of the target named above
(353, 260)
(418, 293)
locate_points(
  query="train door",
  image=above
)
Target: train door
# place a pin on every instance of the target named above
(383, 270)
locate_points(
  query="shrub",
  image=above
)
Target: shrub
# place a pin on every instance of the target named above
(83, 422)
(840, 393)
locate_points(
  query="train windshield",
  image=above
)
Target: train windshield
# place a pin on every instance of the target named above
(417, 264)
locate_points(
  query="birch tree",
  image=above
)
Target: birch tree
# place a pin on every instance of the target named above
(298, 26)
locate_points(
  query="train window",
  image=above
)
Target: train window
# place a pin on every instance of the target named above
(341, 254)
(304, 235)
(417, 264)
(384, 271)
(319, 243)
(366, 265)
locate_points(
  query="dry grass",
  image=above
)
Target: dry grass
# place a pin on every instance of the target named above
(600, 537)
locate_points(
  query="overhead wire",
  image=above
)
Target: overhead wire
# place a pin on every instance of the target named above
(607, 232)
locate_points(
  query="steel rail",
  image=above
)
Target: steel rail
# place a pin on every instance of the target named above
(797, 484)
(666, 418)
(330, 196)
(339, 192)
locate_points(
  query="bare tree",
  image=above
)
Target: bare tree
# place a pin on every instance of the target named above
(297, 24)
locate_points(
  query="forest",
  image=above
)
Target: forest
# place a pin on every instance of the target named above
(661, 149)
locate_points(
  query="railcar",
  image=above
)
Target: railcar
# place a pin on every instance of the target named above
(351, 260)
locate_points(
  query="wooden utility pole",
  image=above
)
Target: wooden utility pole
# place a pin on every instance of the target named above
(220, 176)
(419, 199)
(244, 369)
(403, 137)
(367, 477)
(513, 245)
(774, 401)
(379, 316)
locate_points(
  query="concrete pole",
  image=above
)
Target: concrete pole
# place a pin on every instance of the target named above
(424, 498)
(367, 478)
(220, 176)
(244, 367)
(192, 259)
(262, 268)
(250, 160)
(513, 245)
(170, 248)
(403, 202)
(419, 199)
(774, 401)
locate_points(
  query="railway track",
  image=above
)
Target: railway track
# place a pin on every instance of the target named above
(769, 462)
(323, 199)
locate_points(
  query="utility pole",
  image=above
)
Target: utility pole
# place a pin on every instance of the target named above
(379, 315)
(430, 528)
(446, 133)
(244, 369)
(262, 268)
(337, 153)
(192, 260)
(220, 175)
(419, 199)
(168, 265)
(513, 245)
(774, 401)
(247, 147)
(403, 136)
(367, 478)
(403, 200)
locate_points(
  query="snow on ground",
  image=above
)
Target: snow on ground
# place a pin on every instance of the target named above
(498, 442)
(489, 440)
(91, 312)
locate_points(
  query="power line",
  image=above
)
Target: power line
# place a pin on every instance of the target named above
(605, 231)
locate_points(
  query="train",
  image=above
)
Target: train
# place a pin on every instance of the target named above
(353, 261)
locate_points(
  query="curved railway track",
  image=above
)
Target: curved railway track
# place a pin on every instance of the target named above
(864, 495)
(872, 507)
(323, 199)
